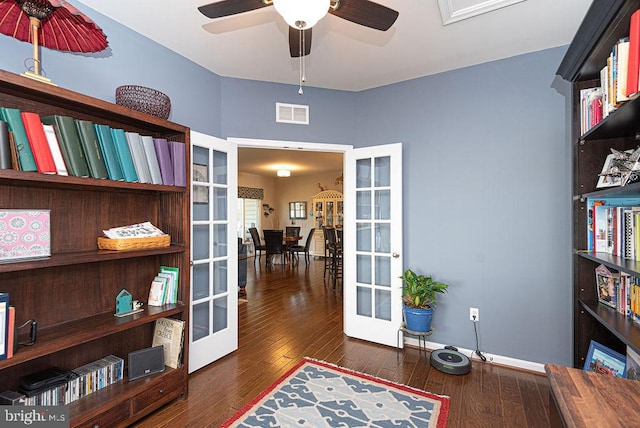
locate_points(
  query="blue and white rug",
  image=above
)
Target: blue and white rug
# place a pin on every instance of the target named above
(317, 394)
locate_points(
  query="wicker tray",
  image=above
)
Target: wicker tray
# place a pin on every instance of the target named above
(134, 243)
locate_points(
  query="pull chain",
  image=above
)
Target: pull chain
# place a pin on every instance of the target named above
(300, 43)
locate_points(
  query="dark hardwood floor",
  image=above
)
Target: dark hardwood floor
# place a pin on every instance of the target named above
(291, 313)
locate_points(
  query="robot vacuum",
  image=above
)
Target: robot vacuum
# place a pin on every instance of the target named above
(450, 361)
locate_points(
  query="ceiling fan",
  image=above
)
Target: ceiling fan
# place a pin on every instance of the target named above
(301, 15)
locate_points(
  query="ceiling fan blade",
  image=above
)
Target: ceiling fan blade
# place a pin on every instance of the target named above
(230, 7)
(367, 13)
(294, 42)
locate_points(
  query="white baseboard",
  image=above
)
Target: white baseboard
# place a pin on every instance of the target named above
(491, 358)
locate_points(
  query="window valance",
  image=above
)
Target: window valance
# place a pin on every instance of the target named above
(250, 193)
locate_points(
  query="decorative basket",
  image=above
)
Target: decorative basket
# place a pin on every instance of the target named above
(134, 243)
(144, 99)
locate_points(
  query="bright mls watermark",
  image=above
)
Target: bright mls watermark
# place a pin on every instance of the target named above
(34, 416)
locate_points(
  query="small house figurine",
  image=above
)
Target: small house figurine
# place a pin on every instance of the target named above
(124, 304)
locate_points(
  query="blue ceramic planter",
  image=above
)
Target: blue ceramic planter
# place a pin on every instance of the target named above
(418, 320)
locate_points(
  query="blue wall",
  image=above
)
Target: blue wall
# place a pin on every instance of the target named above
(486, 169)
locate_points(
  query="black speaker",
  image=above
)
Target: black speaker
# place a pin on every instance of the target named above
(146, 362)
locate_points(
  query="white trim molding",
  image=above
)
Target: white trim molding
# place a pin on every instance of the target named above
(491, 358)
(452, 13)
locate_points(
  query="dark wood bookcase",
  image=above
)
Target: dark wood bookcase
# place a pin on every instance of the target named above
(605, 23)
(72, 294)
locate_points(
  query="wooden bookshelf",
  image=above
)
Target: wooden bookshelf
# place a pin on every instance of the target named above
(604, 24)
(72, 293)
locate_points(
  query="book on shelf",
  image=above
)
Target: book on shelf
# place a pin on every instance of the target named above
(174, 274)
(152, 159)
(169, 332)
(622, 64)
(607, 283)
(91, 146)
(178, 157)
(4, 324)
(11, 332)
(5, 147)
(70, 145)
(164, 160)
(56, 153)
(124, 155)
(13, 118)
(108, 148)
(139, 159)
(633, 69)
(38, 142)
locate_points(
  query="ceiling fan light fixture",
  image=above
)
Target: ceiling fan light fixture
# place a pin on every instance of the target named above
(302, 14)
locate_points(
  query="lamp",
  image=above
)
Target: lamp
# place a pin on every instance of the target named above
(283, 173)
(53, 24)
(301, 14)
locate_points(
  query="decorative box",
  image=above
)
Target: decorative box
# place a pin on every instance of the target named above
(24, 234)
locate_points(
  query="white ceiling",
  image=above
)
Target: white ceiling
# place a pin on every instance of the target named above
(344, 55)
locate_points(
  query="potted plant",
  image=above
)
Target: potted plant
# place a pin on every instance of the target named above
(419, 300)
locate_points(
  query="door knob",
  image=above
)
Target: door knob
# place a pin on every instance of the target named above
(395, 255)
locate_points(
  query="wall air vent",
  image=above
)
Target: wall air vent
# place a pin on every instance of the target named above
(292, 113)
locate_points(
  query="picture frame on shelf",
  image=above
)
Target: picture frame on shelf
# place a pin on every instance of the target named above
(604, 360)
(632, 369)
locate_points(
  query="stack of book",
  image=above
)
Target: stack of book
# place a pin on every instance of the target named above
(618, 79)
(620, 291)
(64, 145)
(613, 227)
(164, 287)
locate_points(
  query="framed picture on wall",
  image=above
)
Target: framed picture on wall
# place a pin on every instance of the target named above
(604, 360)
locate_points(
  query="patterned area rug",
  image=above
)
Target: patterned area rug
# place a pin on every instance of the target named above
(317, 394)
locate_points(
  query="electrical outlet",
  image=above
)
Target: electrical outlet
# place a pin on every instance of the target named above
(474, 314)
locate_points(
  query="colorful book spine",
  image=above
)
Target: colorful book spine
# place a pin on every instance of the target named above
(164, 160)
(91, 146)
(152, 159)
(25, 156)
(70, 145)
(178, 157)
(38, 142)
(56, 152)
(124, 155)
(109, 152)
(139, 159)
(4, 322)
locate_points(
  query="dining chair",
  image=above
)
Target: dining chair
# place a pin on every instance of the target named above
(329, 241)
(273, 243)
(257, 245)
(297, 249)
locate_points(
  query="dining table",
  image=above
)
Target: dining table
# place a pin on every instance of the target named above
(290, 241)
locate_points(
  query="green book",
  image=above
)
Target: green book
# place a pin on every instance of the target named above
(70, 145)
(91, 146)
(25, 156)
(109, 151)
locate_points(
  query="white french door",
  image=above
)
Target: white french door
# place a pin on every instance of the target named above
(373, 244)
(213, 332)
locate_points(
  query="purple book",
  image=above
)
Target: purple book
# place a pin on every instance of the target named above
(179, 160)
(164, 160)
